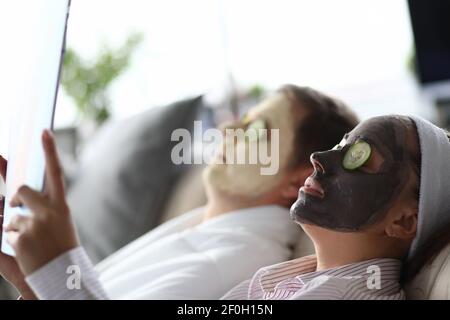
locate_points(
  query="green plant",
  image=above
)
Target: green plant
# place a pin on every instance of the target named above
(257, 92)
(412, 62)
(87, 82)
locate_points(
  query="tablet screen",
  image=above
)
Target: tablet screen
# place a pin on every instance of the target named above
(41, 29)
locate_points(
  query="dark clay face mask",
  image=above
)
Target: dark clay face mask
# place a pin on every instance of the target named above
(354, 199)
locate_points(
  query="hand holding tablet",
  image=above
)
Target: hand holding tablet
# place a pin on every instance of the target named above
(35, 89)
(37, 226)
(43, 235)
(48, 231)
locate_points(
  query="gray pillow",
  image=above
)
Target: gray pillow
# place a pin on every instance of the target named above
(122, 188)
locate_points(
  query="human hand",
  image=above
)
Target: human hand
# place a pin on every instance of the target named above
(49, 231)
(9, 269)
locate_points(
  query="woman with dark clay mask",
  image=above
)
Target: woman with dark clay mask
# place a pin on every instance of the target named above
(370, 211)
(360, 208)
(349, 200)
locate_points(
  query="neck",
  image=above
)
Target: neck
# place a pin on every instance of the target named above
(217, 206)
(352, 248)
(214, 209)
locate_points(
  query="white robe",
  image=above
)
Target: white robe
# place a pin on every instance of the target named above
(182, 259)
(186, 259)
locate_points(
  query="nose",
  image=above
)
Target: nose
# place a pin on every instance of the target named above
(316, 163)
(228, 125)
(326, 161)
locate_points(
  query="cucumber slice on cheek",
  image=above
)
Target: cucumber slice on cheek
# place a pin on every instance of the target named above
(357, 155)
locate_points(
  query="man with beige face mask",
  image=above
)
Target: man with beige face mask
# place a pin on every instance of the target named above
(202, 254)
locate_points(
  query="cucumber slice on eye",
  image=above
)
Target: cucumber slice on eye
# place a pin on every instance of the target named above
(255, 130)
(357, 155)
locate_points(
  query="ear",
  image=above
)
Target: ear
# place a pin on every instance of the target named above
(295, 179)
(403, 226)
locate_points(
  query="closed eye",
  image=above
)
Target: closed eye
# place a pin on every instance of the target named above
(374, 163)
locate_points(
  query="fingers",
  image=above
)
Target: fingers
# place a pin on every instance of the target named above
(11, 238)
(33, 200)
(16, 227)
(17, 224)
(3, 166)
(53, 172)
(2, 204)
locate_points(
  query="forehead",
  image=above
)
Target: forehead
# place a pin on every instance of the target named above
(383, 129)
(276, 105)
(388, 134)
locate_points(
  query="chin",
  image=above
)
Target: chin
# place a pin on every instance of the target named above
(213, 173)
(298, 219)
(215, 179)
(298, 207)
(302, 208)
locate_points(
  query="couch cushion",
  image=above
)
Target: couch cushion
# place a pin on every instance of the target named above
(126, 178)
(433, 281)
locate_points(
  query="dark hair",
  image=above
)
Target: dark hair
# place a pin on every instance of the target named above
(433, 246)
(327, 121)
(415, 156)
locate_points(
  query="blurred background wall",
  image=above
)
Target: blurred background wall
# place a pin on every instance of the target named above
(358, 50)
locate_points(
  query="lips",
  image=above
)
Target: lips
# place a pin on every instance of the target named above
(313, 188)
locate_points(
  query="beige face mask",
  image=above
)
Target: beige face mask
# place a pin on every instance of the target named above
(247, 179)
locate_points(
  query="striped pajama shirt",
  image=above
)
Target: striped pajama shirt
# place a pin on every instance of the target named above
(376, 279)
